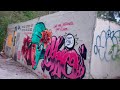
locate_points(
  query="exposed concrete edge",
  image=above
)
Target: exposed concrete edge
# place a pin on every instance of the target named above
(90, 75)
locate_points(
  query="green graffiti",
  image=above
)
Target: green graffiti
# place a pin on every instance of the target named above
(115, 55)
(36, 37)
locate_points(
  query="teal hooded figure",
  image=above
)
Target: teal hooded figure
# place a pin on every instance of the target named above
(36, 37)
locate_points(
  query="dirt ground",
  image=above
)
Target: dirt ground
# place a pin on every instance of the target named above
(10, 69)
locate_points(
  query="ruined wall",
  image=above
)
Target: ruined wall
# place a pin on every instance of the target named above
(103, 64)
(57, 45)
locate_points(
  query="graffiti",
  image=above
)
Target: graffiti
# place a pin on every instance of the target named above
(28, 52)
(33, 49)
(45, 76)
(24, 28)
(70, 42)
(62, 27)
(9, 40)
(17, 27)
(46, 37)
(40, 37)
(104, 42)
(25, 52)
(27, 27)
(65, 63)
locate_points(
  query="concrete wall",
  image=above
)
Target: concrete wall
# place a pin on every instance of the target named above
(57, 45)
(9, 40)
(10, 48)
(16, 31)
(102, 65)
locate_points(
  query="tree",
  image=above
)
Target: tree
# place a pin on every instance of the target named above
(110, 15)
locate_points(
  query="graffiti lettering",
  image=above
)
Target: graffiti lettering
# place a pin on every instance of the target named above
(104, 42)
(27, 33)
(64, 63)
(27, 27)
(33, 48)
(46, 37)
(62, 27)
(69, 41)
(9, 40)
(17, 28)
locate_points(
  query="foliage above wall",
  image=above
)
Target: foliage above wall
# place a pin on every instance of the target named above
(110, 15)
(9, 17)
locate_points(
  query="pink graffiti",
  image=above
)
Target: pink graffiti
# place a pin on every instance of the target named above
(58, 60)
(26, 33)
(45, 76)
(28, 53)
(33, 54)
(62, 29)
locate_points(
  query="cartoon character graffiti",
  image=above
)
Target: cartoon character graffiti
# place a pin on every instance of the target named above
(61, 63)
(40, 38)
(65, 63)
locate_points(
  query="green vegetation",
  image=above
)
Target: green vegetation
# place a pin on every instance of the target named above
(9, 17)
(110, 15)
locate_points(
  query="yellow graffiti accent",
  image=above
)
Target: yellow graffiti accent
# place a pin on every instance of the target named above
(9, 40)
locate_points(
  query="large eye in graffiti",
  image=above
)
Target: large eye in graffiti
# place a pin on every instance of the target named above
(69, 41)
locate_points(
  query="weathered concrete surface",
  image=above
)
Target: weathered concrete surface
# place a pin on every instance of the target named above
(65, 24)
(10, 69)
(102, 64)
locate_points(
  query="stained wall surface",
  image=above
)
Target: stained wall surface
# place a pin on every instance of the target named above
(56, 46)
(103, 64)
(9, 41)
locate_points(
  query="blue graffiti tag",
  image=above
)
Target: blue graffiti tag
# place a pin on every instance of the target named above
(103, 43)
